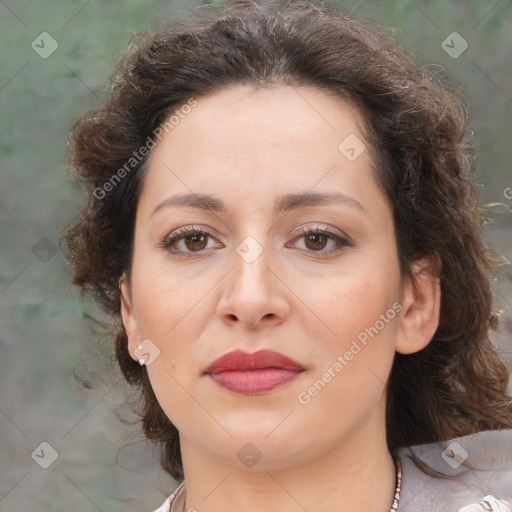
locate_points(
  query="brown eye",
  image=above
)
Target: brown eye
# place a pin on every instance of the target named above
(321, 240)
(316, 241)
(196, 242)
(186, 241)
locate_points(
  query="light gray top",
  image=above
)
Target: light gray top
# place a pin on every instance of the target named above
(478, 470)
(480, 467)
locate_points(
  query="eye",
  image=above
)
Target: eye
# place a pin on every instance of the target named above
(316, 239)
(193, 239)
(189, 239)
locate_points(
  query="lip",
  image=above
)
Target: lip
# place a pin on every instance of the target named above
(250, 374)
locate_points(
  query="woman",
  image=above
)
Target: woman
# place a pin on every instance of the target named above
(282, 222)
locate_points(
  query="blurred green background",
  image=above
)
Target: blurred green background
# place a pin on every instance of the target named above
(46, 333)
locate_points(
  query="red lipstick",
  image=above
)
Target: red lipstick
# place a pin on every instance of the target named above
(252, 374)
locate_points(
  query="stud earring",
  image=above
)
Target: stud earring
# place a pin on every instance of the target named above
(142, 362)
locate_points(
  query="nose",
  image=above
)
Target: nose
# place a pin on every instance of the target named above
(254, 296)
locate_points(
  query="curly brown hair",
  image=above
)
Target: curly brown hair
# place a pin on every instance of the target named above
(416, 127)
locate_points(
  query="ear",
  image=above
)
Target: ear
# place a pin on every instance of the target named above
(128, 316)
(421, 305)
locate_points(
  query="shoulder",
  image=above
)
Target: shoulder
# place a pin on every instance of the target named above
(166, 506)
(476, 474)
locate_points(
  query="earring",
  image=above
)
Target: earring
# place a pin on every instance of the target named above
(142, 362)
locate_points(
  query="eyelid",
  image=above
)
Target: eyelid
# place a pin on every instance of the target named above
(322, 228)
(178, 234)
(341, 239)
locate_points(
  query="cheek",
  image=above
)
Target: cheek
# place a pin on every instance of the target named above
(344, 304)
(173, 314)
(354, 362)
(168, 303)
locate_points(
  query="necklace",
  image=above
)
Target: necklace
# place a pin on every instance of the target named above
(398, 487)
(396, 497)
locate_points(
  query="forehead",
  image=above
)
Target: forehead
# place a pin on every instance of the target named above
(251, 142)
(244, 114)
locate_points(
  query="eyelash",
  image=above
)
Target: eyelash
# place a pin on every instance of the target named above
(167, 242)
(341, 241)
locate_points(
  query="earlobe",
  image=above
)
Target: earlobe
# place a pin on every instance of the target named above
(419, 318)
(128, 316)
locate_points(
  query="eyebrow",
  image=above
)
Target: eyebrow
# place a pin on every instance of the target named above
(284, 204)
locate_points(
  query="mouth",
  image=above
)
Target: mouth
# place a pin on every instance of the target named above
(252, 374)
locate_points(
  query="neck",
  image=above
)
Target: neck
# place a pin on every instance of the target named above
(358, 474)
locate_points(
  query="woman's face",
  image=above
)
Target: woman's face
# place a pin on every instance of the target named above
(273, 164)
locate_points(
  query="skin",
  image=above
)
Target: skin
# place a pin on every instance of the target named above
(307, 299)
